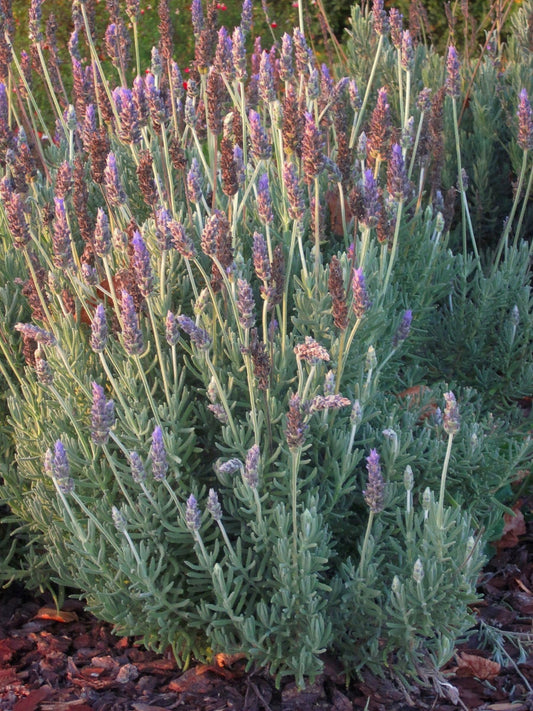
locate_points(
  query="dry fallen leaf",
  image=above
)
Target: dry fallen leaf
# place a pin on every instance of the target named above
(51, 613)
(513, 527)
(473, 665)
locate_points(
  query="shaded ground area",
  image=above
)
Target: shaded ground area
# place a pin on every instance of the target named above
(69, 661)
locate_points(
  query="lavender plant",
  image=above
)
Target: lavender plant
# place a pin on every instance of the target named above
(218, 442)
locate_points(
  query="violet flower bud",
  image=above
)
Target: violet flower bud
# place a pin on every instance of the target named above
(403, 329)
(251, 464)
(451, 420)
(312, 150)
(239, 54)
(131, 334)
(453, 79)
(102, 234)
(360, 302)
(192, 514)
(264, 201)
(245, 304)
(38, 334)
(374, 494)
(296, 427)
(180, 240)
(525, 122)
(113, 187)
(42, 369)
(294, 192)
(99, 332)
(371, 203)
(396, 27)
(138, 472)
(229, 467)
(260, 145)
(397, 182)
(16, 218)
(194, 182)
(119, 519)
(379, 18)
(302, 52)
(246, 16)
(286, 68)
(266, 79)
(102, 415)
(408, 54)
(61, 469)
(260, 258)
(61, 238)
(158, 455)
(199, 336)
(213, 505)
(172, 331)
(197, 16)
(141, 265)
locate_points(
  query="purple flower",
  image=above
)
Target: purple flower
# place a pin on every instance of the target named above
(172, 331)
(14, 204)
(113, 187)
(60, 468)
(371, 202)
(102, 234)
(38, 334)
(408, 54)
(294, 192)
(180, 240)
(266, 79)
(360, 301)
(213, 505)
(129, 129)
(296, 427)
(194, 182)
(251, 464)
(197, 16)
(525, 122)
(396, 27)
(102, 415)
(245, 304)
(192, 514)
(35, 17)
(61, 239)
(260, 258)
(141, 265)
(246, 16)
(374, 494)
(198, 336)
(264, 201)
(98, 337)
(379, 18)
(260, 145)
(158, 455)
(453, 79)
(223, 62)
(239, 54)
(138, 473)
(397, 183)
(328, 402)
(131, 334)
(302, 52)
(312, 150)
(451, 420)
(286, 69)
(311, 351)
(403, 329)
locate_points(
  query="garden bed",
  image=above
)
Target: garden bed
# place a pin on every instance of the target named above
(75, 663)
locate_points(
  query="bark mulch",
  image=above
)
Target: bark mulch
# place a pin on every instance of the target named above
(70, 661)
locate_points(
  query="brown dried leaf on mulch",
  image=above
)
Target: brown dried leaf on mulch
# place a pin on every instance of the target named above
(68, 661)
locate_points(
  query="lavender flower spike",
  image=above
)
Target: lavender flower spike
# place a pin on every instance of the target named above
(38, 334)
(141, 265)
(311, 351)
(264, 200)
(198, 336)
(374, 494)
(102, 234)
(192, 514)
(296, 427)
(60, 468)
(102, 415)
(98, 337)
(172, 331)
(452, 77)
(525, 122)
(158, 455)
(61, 239)
(361, 301)
(451, 420)
(250, 472)
(260, 145)
(397, 182)
(138, 473)
(245, 304)
(213, 505)
(403, 329)
(131, 333)
(114, 190)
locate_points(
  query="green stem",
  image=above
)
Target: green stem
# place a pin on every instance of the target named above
(440, 508)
